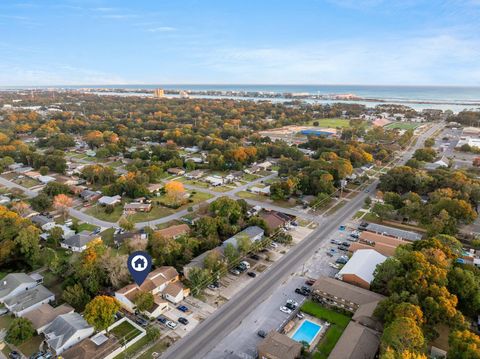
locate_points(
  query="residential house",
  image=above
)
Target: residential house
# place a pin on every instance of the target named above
(45, 314)
(164, 283)
(45, 179)
(214, 180)
(65, 331)
(135, 207)
(15, 283)
(276, 220)
(278, 346)
(79, 241)
(265, 165)
(110, 200)
(44, 222)
(97, 347)
(382, 244)
(198, 261)
(4, 200)
(174, 232)
(253, 233)
(90, 196)
(265, 191)
(119, 238)
(194, 175)
(360, 268)
(176, 171)
(252, 170)
(155, 188)
(28, 300)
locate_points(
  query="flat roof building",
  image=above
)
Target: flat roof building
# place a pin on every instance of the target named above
(360, 268)
(393, 232)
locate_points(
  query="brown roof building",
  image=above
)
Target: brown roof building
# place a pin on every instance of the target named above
(382, 244)
(174, 231)
(88, 349)
(278, 346)
(356, 342)
(42, 316)
(275, 220)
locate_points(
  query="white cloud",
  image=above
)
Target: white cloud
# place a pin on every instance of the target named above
(14, 75)
(441, 59)
(162, 29)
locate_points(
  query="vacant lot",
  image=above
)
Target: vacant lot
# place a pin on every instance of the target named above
(338, 323)
(332, 122)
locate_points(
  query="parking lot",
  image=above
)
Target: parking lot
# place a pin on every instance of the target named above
(242, 342)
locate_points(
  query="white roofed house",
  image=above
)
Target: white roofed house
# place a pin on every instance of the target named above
(79, 241)
(253, 233)
(28, 300)
(15, 283)
(66, 331)
(110, 201)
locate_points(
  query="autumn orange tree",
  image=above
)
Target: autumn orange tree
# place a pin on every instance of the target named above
(62, 203)
(175, 192)
(100, 312)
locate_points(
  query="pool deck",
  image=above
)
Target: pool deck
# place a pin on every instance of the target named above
(323, 329)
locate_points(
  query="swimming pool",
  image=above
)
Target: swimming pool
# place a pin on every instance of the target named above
(306, 332)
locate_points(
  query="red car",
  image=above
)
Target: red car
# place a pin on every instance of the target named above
(310, 282)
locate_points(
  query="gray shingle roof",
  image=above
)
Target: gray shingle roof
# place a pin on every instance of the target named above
(28, 298)
(251, 232)
(395, 232)
(12, 281)
(80, 239)
(63, 328)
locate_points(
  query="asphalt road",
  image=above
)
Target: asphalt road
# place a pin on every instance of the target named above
(205, 336)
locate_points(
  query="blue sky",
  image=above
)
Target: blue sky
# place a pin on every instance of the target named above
(405, 42)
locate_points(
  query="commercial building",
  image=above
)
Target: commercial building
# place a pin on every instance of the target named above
(384, 245)
(360, 268)
(393, 232)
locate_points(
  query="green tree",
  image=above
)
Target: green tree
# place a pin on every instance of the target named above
(227, 208)
(28, 244)
(231, 253)
(466, 286)
(76, 296)
(19, 331)
(464, 345)
(100, 312)
(42, 202)
(144, 301)
(403, 334)
(55, 235)
(126, 224)
(198, 279)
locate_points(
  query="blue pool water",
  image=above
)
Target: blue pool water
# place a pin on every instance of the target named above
(306, 332)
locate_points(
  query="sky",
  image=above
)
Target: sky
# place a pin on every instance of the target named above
(369, 42)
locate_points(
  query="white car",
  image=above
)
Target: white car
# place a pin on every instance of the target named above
(171, 325)
(300, 315)
(285, 310)
(292, 302)
(274, 245)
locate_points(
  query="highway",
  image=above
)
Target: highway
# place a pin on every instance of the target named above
(205, 336)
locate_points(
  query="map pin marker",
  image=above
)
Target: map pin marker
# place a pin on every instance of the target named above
(139, 265)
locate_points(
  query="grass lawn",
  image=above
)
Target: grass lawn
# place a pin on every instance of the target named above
(221, 189)
(338, 323)
(260, 198)
(358, 214)
(27, 182)
(54, 283)
(158, 211)
(125, 332)
(133, 349)
(402, 125)
(99, 212)
(107, 236)
(86, 227)
(159, 347)
(332, 122)
(249, 177)
(5, 321)
(31, 346)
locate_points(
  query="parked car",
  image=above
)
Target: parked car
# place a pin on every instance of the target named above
(342, 248)
(235, 271)
(14, 355)
(292, 302)
(341, 260)
(182, 308)
(162, 319)
(255, 257)
(334, 265)
(3, 311)
(183, 320)
(96, 231)
(302, 292)
(140, 321)
(310, 282)
(252, 274)
(262, 333)
(286, 310)
(346, 244)
(342, 228)
(274, 245)
(171, 325)
(335, 241)
(300, 315)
